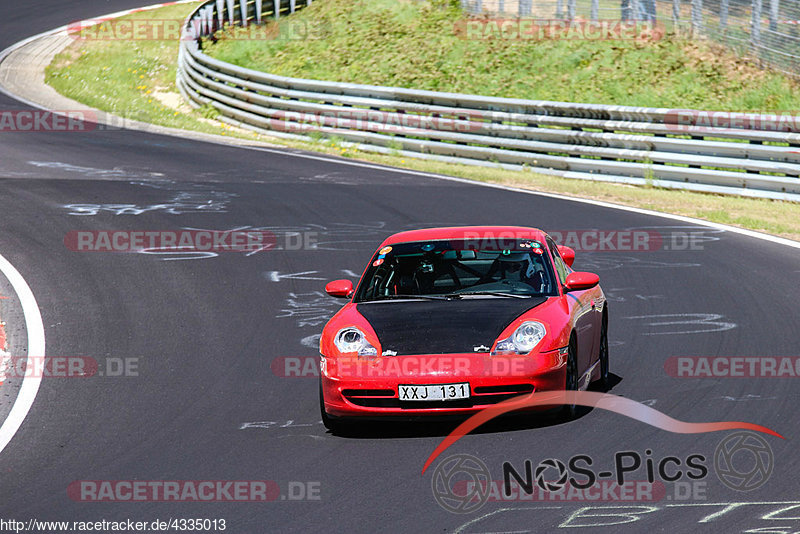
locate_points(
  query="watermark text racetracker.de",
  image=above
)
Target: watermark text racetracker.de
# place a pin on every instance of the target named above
(187, 240)
(35, 120)
(409, 365)
(533, 29)
(596, 240)
(467, 121)
(70, 121)
(14, 367)
(126, 29)
(733, 366)
(194, 490)
(691, 121)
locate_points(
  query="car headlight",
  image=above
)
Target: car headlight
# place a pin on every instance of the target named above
(523, 340)
(351, 339)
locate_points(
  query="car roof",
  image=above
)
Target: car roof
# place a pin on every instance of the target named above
(466, 232)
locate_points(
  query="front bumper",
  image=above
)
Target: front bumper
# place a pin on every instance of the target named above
(355, 387)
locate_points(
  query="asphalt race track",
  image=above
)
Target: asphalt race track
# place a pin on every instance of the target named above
(203, 400)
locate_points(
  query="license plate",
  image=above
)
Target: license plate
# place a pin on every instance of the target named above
(438, 392)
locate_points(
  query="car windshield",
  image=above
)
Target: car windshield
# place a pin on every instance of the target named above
(458, 269)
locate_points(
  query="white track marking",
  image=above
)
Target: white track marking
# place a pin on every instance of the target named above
(33, 323)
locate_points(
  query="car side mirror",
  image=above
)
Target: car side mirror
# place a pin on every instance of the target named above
(579, 281)
(567, 254)
(341, 289)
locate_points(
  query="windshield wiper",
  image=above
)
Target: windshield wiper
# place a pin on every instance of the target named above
(493, 293)
(411, 297)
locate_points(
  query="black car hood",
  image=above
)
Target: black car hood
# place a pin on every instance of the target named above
(443, 327)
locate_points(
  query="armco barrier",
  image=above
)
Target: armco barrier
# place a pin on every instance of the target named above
(733, 153)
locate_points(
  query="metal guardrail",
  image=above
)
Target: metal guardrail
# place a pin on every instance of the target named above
(745, 154)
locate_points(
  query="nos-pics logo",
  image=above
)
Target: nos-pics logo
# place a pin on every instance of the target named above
(452, 472)
(743, 461)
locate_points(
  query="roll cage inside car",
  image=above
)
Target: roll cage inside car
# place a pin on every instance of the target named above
(452, 267)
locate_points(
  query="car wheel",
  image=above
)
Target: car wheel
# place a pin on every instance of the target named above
(603, 381)
(334, 424)
(570, 411)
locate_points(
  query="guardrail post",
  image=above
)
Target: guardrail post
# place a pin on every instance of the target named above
(755, 25)
(637, 9)
(774, 6)
(291, 6)
(626, 9)
(571, 8)
(676, 15)
(210, 19)
(276, 9)
(723, 16)
(697, 17)
(258, 11)
(243, 7)
(595, 10)
(220, 13)
(649, 10)
(559, 9)
(202, 22)
(231, 12)
(191, 30)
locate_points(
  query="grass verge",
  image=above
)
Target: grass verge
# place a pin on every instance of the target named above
(136, 79)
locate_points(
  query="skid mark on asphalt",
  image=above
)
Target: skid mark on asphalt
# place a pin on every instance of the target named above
(274, 425)
(683, 323)
(745, 514)
(613, 295)
(592, 262)
(311, 341)
(277, 276)
(336, 177)
(92, 172)
(747, 397)
(187, 198)
(309, 309)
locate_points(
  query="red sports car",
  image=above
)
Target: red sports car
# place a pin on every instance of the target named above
(448, 321)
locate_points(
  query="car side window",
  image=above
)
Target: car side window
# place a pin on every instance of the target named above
(561, 267)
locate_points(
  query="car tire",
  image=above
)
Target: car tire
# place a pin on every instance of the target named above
(570, 411)
(334, 424)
